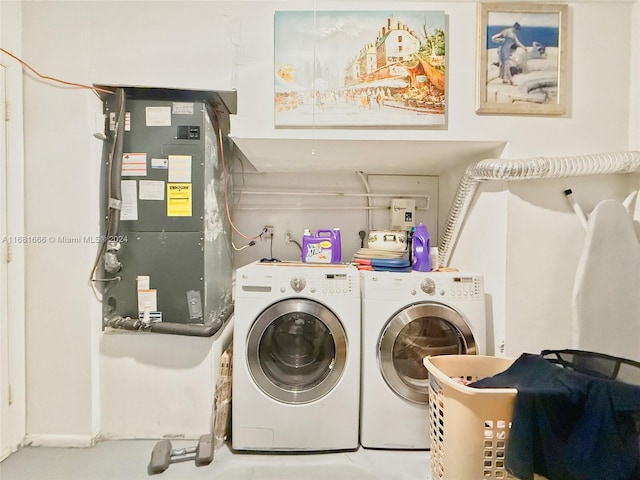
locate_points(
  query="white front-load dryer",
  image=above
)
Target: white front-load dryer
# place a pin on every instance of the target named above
(406, 317)
(296, 357)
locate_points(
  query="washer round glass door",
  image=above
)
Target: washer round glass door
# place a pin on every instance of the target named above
(413, 333)
(296, 350)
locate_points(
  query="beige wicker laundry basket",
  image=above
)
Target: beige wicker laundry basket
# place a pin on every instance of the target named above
(469, 427)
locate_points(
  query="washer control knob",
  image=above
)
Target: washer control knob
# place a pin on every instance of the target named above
(298, 284)
(428, 286)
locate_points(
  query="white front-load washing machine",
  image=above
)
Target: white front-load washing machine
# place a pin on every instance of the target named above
(296, 357)
(406, 317)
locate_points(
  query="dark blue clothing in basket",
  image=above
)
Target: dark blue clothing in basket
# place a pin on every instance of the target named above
(568, 425)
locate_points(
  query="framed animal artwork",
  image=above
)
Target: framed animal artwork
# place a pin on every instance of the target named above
(360, 69)
(522, 58)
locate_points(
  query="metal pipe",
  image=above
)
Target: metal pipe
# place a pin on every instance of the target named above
(338, 194)
(189, 329)
(526, 169)
(114, 200)
(315, 207)
(367, 187)
(115, 171)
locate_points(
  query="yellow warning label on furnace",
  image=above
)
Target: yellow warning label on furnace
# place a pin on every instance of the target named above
(178, 199)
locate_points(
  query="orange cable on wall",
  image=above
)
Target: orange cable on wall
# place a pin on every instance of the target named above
(53, 79)
(97, 89)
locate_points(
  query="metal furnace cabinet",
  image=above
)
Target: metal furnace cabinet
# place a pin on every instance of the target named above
(171, 244)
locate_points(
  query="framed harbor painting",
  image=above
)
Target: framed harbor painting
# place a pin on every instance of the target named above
(522, 58)
(360, 69)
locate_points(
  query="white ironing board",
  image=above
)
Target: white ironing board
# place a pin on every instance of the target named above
(606, 294)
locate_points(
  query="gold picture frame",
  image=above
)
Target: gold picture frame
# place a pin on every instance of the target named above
(522, 59)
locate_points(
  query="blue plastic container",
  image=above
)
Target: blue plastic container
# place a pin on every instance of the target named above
(420, 247)
(323, 247)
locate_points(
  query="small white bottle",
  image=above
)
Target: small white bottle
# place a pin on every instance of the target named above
(433, 258)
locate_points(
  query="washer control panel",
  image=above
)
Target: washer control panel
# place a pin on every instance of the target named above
(335, 284)
(340, 283)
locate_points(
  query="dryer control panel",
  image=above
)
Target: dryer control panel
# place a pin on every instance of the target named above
(459, 287)
(421, 285)
(466, 287)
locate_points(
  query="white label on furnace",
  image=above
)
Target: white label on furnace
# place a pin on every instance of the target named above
(129, 200)
(151, 190)
(134, 165)
(182, 108)
(148, 300)
(162, 163)
(158, 116)
(127, 121)
(148, 306)
(143, 282)
(179, 169)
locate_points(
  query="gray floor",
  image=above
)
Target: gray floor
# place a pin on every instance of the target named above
(128, 460)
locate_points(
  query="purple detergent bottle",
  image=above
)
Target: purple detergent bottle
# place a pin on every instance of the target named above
(337, 247)
(420, 246)
(323, 247)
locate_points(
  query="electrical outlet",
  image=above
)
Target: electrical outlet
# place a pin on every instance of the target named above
(267, 232)
(287, 238)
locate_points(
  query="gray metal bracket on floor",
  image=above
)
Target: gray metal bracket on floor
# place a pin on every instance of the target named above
(164, 455)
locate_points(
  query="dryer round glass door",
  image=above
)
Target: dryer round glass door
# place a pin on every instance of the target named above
(296, 350)
(413, 333)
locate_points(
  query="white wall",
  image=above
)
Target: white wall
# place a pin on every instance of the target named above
(224, 45)
(597, 31)
(61, 200)
(156, 386)
(293, 213)
(12, 349)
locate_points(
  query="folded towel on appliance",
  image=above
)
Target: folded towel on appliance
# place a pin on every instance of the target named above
(384, 262)
(568, 425)
(364, 267)
(392, 269)
(376, 253)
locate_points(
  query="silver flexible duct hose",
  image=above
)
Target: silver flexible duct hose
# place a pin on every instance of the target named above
(525, 169)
